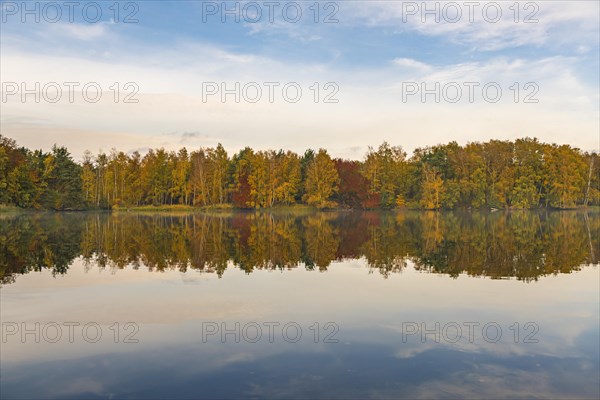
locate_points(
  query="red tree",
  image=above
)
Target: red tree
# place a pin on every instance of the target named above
(354, 187)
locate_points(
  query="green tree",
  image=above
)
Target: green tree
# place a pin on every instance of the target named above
(63, 178)
(387, 174)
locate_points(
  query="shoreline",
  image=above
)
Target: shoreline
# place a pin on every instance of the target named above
(277, 209)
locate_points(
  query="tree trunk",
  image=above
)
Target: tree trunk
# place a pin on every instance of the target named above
(587, 192)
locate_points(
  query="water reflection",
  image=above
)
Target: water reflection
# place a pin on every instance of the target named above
(371, 358)
(525, 245)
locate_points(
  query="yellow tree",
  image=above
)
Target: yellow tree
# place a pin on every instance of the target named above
(286, 177)
(180, 176)
(566, 175)
(199, 177)
(322, 180)
(220, 162)
(259, 180)
(432, 189)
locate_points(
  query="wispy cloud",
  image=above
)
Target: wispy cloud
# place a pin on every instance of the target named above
(547, 23)
(85, 32)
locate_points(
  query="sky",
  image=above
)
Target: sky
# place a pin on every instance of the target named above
(340, 75)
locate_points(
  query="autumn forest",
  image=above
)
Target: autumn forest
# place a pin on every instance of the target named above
(524, 173)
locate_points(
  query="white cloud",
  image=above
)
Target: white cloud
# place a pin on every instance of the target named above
(558, 22)
(300, 32)
(83, 32)
(412, 64)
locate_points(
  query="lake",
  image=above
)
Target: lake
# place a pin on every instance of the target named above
(301, 305)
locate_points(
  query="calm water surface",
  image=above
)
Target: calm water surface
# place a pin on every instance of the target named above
(320, 305)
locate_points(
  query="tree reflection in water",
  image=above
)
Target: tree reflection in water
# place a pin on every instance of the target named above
(521, 244)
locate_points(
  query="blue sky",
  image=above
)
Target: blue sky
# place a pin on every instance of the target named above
(374, 49)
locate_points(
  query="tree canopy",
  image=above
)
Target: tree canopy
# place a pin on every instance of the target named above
(524, 173)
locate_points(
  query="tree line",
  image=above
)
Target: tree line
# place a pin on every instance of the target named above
(521, 244)
(524, 173)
